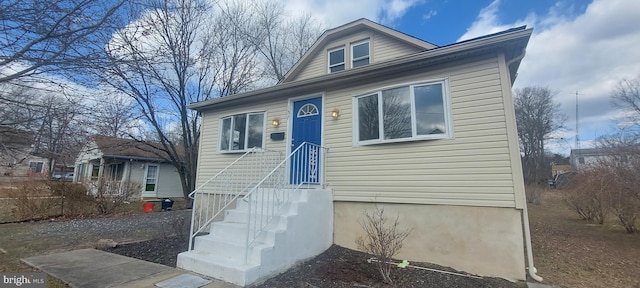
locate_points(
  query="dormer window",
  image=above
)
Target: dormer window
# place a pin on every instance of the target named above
(360, 54)
(336, 60)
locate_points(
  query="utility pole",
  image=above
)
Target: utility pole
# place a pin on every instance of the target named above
(577, 123)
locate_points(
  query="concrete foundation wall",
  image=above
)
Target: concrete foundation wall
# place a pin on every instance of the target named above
(480, 240)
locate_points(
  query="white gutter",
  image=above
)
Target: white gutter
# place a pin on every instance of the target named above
(525, 214)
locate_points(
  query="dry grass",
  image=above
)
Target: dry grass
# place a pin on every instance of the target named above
(569, 252)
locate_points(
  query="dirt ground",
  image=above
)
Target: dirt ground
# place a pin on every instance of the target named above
(569, 252)
(337, 267)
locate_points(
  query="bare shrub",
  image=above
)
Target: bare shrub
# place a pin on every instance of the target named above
(33, 200)
(534, 193)
(589, 196)
(382, 239)
(109, 195)
(623, 164)
(74, 198)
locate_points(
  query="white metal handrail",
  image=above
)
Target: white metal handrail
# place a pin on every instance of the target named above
(220, 191)
(274, 192)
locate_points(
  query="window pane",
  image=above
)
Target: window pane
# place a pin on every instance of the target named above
(239, 131)
(152, 172)
(429, 110)
(336, 57)
(396, 113)
(360, 62)
(225, 134)
(337, 68)
(368, 126)
(256, 125)
(360, 50)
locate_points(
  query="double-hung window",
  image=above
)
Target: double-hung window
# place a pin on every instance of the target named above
(336, 60)
(360, 54)
(403, 113)
(241, 132)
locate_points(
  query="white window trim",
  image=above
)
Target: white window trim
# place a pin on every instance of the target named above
(264, 132)
(307, 115)
(363, 57)
(447, 114)
(146, 176)
(344, 53)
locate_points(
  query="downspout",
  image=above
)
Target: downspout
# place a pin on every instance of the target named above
(525, 214)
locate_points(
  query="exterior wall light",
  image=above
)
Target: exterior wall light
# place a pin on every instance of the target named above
(335, 113)
(275, 122)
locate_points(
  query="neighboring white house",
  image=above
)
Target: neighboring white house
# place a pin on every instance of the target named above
(586, 157)
(426, 132)
(121, 160)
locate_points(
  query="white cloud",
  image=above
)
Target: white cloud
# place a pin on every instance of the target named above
(429, 14)
(333, 13)
(487, 22)
(588, 53)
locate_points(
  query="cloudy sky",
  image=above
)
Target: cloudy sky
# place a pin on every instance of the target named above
(577, 46)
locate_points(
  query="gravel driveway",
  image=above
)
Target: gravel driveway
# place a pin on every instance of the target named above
(123, 228)
(20, 240)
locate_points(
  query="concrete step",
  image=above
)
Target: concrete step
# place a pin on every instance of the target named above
(237, 232)
(233, 249)
(242, 216)
(228, 269)
(297, 196)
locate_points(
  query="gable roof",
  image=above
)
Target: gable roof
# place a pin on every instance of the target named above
(129, 148)
(346, 29)
(511, 42)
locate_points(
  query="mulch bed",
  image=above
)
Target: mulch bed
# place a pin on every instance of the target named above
(337, 267)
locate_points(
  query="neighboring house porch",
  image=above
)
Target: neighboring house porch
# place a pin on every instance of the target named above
(118, 163)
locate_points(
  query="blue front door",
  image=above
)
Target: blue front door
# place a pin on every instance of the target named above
(307, 127)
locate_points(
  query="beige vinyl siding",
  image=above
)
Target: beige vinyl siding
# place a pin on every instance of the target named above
(210, 161)
(387, 48)
(473, 168)
(382, 48)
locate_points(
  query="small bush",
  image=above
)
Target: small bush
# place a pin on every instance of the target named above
(590, 195)
(109, 195)
(382, 239)
(534, 193)
(33, 200)
(74, 198)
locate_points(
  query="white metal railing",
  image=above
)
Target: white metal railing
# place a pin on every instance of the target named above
(220, 191)
(304, 166)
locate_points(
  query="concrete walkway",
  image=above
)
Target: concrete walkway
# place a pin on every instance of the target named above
(93, 268)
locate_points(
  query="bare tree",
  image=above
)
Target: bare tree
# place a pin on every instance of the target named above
(626, 97)
(40, 37)
(281, 41)
(537, 116)
(114, 116)
(59, 132)
(161, 60)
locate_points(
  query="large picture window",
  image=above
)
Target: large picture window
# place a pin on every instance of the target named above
(404, 113)
(241, 132)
